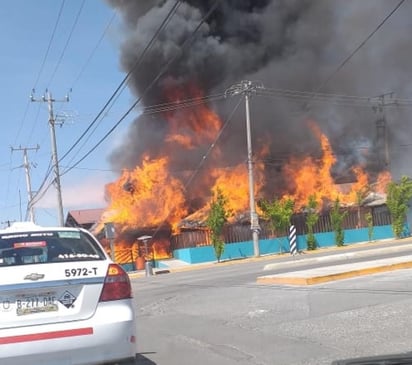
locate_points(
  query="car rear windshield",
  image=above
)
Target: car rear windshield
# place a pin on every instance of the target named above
(47, 246)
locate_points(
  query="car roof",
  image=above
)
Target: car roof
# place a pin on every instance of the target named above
(32, 227)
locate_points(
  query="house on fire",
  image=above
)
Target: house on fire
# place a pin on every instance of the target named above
(84, 218)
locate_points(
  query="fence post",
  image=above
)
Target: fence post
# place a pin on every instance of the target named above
(292, 240)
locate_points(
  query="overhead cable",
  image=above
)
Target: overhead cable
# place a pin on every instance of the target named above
(67, 43)
(137, 63)
(349, 57)
(204, 158)
(50, 43)
(165, 67)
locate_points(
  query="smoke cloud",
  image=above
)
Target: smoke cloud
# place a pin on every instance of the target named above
(285, 44)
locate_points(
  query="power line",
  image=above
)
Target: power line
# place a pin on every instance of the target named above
(307, 94)
(67, 43)
(183, 47)
(89, 58)
(44, 188)
(94, 169)
(137, 63)
(187, 103)
(204, 158)
(347, 59)
(331, 98)
(26, 109)
(50, 43)
(41, 68)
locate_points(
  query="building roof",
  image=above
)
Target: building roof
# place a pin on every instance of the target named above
(84, 216)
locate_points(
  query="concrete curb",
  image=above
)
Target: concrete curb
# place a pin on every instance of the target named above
(337, 272)
(337, 257)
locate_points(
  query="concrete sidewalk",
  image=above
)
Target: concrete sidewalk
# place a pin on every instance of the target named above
(337, 272)
(285, 260)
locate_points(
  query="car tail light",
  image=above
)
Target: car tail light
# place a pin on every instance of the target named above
(116, 284)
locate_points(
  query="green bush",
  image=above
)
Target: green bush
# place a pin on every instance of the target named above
(216, 220)
(337, 217)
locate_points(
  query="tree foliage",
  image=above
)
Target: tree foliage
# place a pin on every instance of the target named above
(369, 220)
(278, 212)
(312, 218)
(337, 217)
(398, 196)
(216, 220)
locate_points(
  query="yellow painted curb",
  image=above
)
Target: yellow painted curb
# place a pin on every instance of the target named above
(289, 280)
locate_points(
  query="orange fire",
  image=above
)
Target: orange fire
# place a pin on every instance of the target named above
(191, 127)
(149, 195)
(313, 177)
(146, 196)
(234, 184)
(161, 249)
(384, 178)
(125, 252)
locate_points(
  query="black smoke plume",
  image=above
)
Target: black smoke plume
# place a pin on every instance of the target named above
(285, 44)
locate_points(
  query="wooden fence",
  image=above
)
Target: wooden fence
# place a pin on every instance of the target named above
(241, 232)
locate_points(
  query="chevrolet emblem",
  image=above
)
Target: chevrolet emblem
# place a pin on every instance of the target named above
(34, 276)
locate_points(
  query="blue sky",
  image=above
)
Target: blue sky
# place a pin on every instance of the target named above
(90, 68)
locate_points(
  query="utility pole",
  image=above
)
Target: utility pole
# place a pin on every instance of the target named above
(382, 140)
(246, 88)
(8, 222)
(47, 98)
(26, 166)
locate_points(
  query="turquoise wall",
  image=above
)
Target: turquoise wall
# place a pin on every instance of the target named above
(197, 255)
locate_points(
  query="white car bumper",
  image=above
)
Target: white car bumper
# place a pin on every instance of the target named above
(107, 336)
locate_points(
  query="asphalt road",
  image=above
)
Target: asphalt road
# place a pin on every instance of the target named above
(219, 315)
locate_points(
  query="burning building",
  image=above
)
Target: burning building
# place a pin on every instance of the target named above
(189, 140)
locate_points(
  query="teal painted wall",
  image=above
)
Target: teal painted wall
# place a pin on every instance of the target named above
(239, 250)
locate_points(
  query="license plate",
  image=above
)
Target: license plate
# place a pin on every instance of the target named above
(36, 304)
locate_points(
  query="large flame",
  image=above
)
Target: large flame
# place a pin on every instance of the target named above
(313, 177)
(384, 178)
(190, 127)
(234, 185)
(233, 182)
(146, 196)
(149, 195)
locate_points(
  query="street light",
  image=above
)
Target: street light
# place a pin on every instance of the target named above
(246, 88)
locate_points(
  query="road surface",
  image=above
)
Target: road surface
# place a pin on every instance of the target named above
(219, 315)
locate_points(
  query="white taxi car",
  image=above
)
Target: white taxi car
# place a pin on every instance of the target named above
(62, 300)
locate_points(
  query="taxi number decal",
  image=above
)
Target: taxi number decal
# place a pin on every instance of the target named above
(80, 271)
